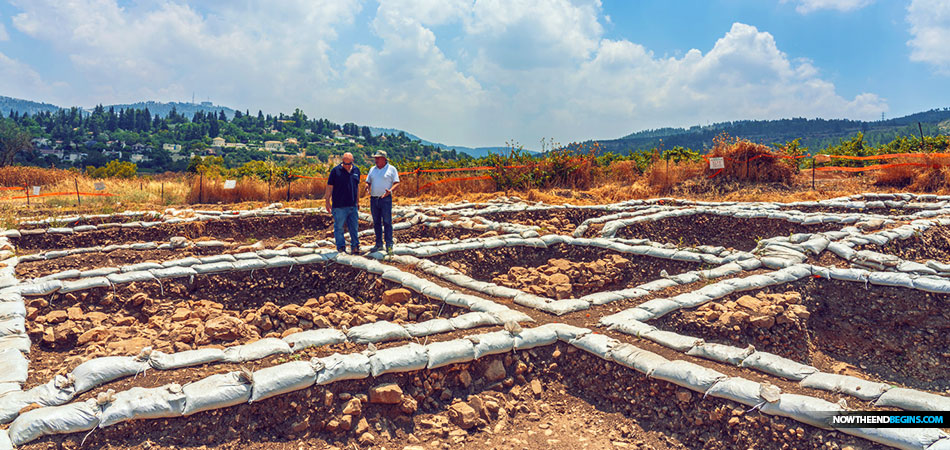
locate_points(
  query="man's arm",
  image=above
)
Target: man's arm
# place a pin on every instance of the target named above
(328, 196)
(391, 189)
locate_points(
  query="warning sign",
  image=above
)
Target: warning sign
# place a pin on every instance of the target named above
(230, 184)
(717, 163)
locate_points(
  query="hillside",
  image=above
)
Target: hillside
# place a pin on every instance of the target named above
(815, 134)
(475, 152)
(8, 104)
(188, 109)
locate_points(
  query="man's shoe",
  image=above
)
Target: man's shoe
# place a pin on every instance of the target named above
(389, 250)
(341, 249)
(355, 251)
(375, 249)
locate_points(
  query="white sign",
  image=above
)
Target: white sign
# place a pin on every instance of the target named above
(717, 163)
(230, 184)
(36, 190)
(100, 186)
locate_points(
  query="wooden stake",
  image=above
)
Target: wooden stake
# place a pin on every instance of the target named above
(78, 201)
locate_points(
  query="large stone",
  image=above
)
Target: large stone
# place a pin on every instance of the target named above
(394, 296)
(181, 314)
(559, 278)
(56, 316)
(94, 335)
(225, 328)
(390, 394)
(353, 407)
(463, 415)
(495, 371)
(762, 321)
(749, 302)
(74, 313)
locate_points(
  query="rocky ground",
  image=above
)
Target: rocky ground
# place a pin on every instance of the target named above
(560, 278)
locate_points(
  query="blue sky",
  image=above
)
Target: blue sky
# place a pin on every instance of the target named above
(486, 72)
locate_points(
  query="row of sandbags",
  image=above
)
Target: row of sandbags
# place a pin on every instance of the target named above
(234, 388)
(99, 371)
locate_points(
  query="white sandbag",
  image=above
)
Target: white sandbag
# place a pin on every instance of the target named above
(659, 307)
(143, 403)
(256, 350)
(776, 365)
(632, 327)
(173, 272)
(598, 344)
(738, 390)
(492, 343)
(40, 289)
(84, 284)
(281, 379)
(405, 358)
(935, 285)
(863, 389)
(913, 400)
(217, 391)
(71, 418)
(472, 320)
(99, 371)
(140, 267)
(854, 275)
(722, 353)
(222, 266)
(12, 325)
(535, 337)
(902, 438)
(381, 331)
(672, 340)
(567, 333)
(429, 327)
(14, 367)
(19, 342)
(890, 279)
(338, 367)
(810, 410)
(508, 315)
(688, 375)
(5, 443)
(602, 298)
(658, 285)
(168, 361)
(71, 273)
(636, 358)
(565, 306)
(131, 277)
(314, 338)
(530, 300)
(449, 352)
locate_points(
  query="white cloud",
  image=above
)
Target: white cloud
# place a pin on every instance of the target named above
(930, 26)
(18, 79)
(807, 6)
(257, 53)
(3, 33)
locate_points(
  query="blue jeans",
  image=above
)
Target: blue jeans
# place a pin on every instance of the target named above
(348, 217)
(382, 211)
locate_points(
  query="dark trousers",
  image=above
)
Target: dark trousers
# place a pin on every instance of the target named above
(382, 210)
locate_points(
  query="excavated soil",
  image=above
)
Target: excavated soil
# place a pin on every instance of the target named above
(550, 397)
(931, 244)
(893, 334)
(840, 210)
(418, 233)
(484, 265)
(251, 228)
(712, 229)
(115, 258)
(563, 221)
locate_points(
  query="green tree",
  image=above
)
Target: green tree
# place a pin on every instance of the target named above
(13, 140)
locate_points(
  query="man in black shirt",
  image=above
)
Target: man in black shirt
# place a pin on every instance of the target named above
(343, 202)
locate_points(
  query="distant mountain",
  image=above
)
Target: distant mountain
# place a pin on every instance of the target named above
(816, 134)
(187, 109)
(476, 152)
(8, 104)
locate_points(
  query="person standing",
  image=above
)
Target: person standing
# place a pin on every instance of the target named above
(343, 188)
(382, 180)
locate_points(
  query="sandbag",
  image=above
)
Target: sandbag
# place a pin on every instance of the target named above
(738, 390)
(567, 333)
(473, 320)
(598, 344)
(12, 325)
(449, 352)
(632, 327)
(142, 403)
(283, 378)
(722, 353)
(256, 350)
(535, 337)
(688, 375)
(165, 361)
(406, 358)
(55, 392)
(40, 289)
(173, 272)
(217, 391)
(903, 438)
(672, 340)
(810, 410)
(14, 367)
(381, 331)
(429, 327)
(5, 443)
(492, 343)
(99, 371)
(131, 277)
(776, 365)
(314, 338)
(659, 307)
(565, 306)
(913, 400)
(337, 367)
(71, 418)
(636, 358)
(863, 389)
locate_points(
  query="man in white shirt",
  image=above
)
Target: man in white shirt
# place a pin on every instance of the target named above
(381, 181)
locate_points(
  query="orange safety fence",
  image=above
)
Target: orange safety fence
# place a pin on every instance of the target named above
(55, 194)
(866, 168)
(12, 188)
(483, 177)
(846, 169)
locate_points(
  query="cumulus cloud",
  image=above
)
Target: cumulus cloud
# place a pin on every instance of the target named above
(3, 33)
(807, 6)
(930, 27)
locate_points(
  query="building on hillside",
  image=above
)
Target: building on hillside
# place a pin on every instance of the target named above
(50, 152)
(171, 148)
(290, 141)
(235, 145)
(139, 158)
(274, 146)
(218, 142)
(336, 133)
